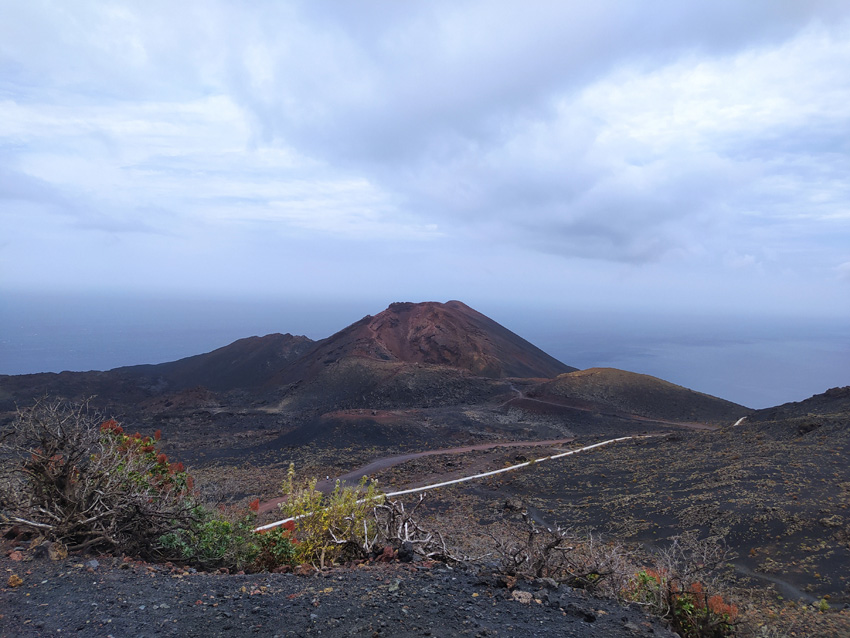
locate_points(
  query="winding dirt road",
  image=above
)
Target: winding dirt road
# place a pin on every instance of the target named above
(327, 485)
(464, 479)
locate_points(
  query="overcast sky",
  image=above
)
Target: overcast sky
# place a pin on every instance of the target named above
(633, 155)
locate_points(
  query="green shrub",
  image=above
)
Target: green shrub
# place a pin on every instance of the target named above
(214, 538)
(330, 528)
(276, 547)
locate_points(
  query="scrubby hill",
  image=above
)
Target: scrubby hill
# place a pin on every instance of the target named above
(246, 363)
(826, 413)
(639, 394)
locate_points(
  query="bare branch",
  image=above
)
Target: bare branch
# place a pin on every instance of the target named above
(62, 472)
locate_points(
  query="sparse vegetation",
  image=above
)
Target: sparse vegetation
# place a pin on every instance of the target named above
(353, 522)
(83, 481)
(581, 561)
(684, 588)
(72, 477)
(646, 490)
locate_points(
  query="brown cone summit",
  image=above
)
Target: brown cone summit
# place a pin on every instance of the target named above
(447, 334)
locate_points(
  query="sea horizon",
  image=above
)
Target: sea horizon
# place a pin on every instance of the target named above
(757, 362)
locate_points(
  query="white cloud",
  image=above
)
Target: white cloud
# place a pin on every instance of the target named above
(194, 156)
(696, 141)
(740, 262)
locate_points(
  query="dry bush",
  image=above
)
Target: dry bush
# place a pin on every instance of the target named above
(566, 557)
(397, 527)
(685, 588)
(75, 478)
(682, 585)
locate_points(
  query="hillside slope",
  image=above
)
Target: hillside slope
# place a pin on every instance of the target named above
(827, 413)
(431, 333)
(411, 355)
(245, 363)
(639, 394)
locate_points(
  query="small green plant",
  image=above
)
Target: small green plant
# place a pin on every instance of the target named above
(277, 547)
(693, 612)
(330, 528)
(214, 538)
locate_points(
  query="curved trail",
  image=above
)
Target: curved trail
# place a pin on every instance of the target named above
(377, 465)
(627, 415)
(483, 474)
(384, 463)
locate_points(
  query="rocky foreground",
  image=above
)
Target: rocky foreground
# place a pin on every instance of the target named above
(87, 596)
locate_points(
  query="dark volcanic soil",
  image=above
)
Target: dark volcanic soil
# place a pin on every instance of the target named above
(103, 597)
(780, 505)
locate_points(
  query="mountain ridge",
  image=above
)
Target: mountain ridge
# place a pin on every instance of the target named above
(410, 355)
(452, 335)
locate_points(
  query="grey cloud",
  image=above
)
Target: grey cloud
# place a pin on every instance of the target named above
(18, 186)
(573, 207)
(423, 102)
(122, 223)
(623, 224)
(462, 71)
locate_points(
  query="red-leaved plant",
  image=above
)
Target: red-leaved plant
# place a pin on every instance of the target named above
(74, 478)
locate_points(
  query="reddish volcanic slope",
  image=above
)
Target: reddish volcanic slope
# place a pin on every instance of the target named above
(450, 334)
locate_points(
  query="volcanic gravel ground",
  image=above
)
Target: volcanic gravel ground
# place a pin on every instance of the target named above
(780, 505)
(105, 597)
